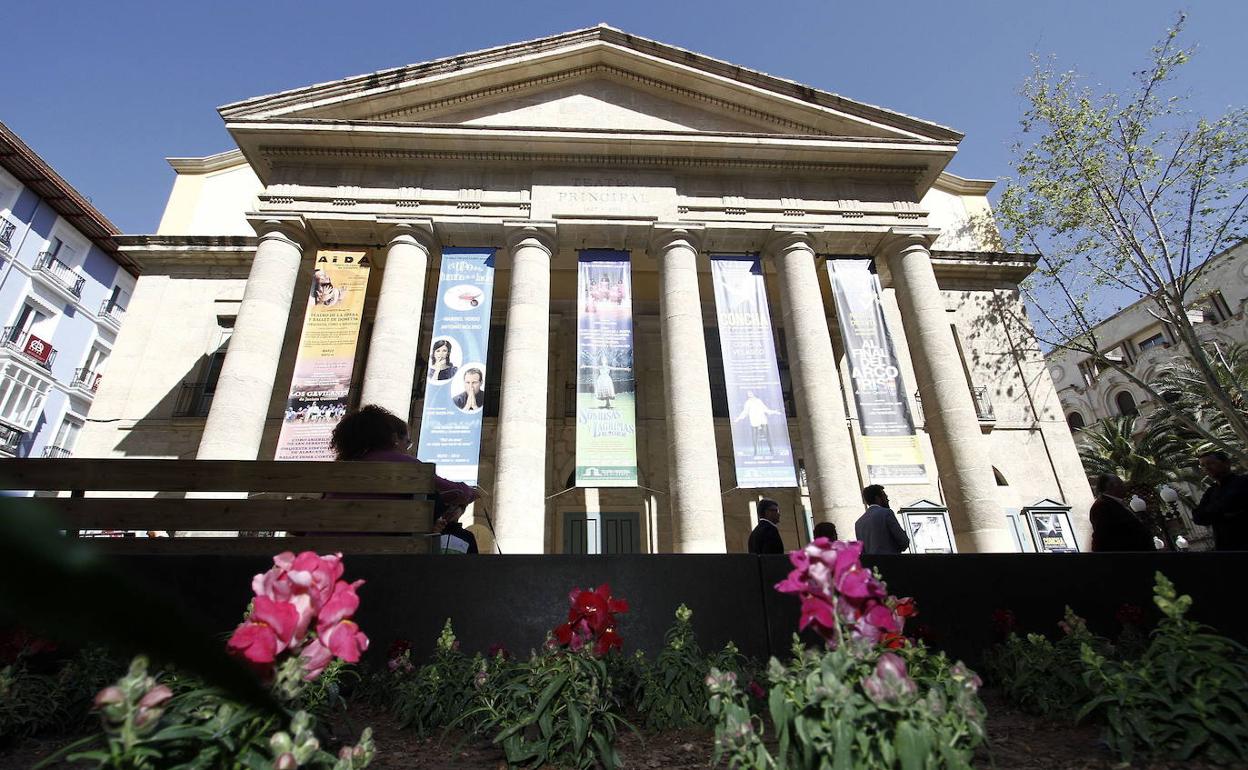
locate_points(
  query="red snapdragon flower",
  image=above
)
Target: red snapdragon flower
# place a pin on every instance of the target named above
(591, 618)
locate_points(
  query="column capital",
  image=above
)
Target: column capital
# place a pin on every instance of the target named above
(665, 235)
(417, 231)
(519, 233)
(899, 239)
(784, 239)
(293, 229)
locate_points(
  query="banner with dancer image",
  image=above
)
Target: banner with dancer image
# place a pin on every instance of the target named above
(606, 410)
(455, 375)
(760, 430)
(321, 383)
(889, 442)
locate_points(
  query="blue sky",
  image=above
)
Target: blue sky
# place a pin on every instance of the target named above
(106, 91)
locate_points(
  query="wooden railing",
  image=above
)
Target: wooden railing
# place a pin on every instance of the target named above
(254, 498)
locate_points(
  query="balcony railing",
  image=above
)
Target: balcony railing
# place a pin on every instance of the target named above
(60, 273)
(87, 379)
(35, 348)
(10, 439)
(56, 451)
(193, 400)
(983, 405)
(7, 229)
(112, 312)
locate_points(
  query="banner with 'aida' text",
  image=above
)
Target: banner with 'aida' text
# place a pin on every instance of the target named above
(456, 378)
(321, 383)
(606, 408)
(761, 450)
(890, 444)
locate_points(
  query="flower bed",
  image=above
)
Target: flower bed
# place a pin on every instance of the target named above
(869, 694)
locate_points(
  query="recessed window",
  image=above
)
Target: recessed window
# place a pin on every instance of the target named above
(1126, 404)
(1075, 421)
(1158, 340)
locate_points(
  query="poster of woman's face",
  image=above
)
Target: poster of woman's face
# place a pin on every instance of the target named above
(445, 356)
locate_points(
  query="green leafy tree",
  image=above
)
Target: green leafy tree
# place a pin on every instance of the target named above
(1144, 461)
(1128, 195)
(1183, 386)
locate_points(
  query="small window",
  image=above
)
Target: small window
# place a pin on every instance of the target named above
(1126, 404)
(1075, 421)
(1158, 340)
(1089, 370)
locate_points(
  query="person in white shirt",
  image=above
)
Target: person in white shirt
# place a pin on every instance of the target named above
(757, 413)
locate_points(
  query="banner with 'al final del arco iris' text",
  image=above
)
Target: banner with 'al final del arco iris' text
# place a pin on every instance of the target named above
(890, 444)
(606, 409)
(760, 432)
(456, 378)
(322, 379)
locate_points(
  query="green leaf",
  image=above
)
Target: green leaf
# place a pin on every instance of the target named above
(912, 745)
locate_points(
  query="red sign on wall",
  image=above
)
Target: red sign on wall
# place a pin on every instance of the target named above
(38, 349)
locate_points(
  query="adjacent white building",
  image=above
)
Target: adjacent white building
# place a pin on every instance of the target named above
(64, 288)
(1135, 337)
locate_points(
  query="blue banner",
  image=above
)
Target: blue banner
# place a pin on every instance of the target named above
(455, 375)
(760, 430)
(606, 408)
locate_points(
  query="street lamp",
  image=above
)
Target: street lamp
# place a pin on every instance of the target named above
(1170, 497)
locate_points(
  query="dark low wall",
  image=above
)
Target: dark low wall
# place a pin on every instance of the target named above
(515, 600)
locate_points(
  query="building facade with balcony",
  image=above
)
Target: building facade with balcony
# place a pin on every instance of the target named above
(597, 139)
(1134, 336)
(64, 287)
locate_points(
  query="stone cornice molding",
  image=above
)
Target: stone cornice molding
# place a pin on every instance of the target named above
(669, 235)
(272, 153)
(208, 163)
(543, 235)
(597, 44)
(596, 70)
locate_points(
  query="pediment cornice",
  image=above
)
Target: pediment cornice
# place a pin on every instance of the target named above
(423, 90)
(429, 111)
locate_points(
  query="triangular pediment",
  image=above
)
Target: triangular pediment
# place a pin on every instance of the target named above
(602, 103)
(598, 79)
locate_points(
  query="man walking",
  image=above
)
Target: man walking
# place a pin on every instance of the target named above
(878, 528)
(1224, 506)
(766, 536)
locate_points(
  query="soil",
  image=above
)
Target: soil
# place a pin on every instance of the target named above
(1018, 742)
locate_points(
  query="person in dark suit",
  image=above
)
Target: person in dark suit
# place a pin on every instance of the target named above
(826, 529)
(1224, 506)
(877, 527)
(766, 536)
(1114, 525)
(473, 397)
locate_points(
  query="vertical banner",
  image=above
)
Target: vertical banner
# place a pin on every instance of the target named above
(327, 345)
(455, 374)
(890, 444)
(760, 430)
(606, 409)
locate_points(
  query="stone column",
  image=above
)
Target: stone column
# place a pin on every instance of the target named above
(241, 403)
(979, 523)
(693, 463)
(827, 445)
(520, 473)
(392, 350)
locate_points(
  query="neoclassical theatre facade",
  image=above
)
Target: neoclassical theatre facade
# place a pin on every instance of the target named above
(597, 139)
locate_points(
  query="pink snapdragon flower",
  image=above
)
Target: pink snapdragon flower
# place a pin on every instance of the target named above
(840, 596)
(301, 607)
